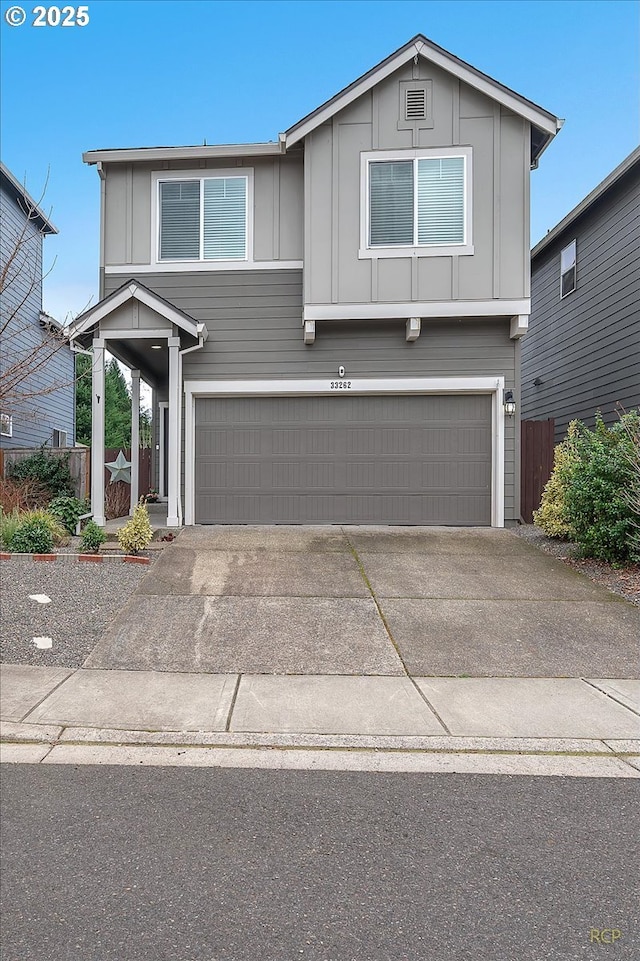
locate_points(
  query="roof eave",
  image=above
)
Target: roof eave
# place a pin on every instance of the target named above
(588, 201)
(154, 154)
(46, 226)
(421, 46)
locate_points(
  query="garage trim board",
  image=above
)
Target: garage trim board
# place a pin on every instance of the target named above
(492, 385)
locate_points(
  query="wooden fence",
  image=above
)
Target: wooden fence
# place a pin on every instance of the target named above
(79, 464)
(536, 463)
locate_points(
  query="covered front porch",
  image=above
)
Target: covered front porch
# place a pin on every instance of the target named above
(150, 336)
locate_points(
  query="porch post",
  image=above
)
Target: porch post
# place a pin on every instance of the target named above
(135, 439)
(97, 432)
(173, 460)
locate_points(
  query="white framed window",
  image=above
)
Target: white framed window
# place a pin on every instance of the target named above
(6, 425)
(200, 218)
(568, 269)
(416, 202)
(59, 438)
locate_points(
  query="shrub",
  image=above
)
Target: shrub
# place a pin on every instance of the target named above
(92, 537)
(8, 523)
(32, 536)
(22, 494)
(630, 425)
(68, 511)
(136, 533)
(52, 471)
(552, 516)
(596, 499)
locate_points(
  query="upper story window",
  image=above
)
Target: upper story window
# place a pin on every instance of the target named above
(203, 218)
(568, 269)
(416, 202)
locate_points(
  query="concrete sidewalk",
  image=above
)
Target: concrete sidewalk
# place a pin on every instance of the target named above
(500, 725)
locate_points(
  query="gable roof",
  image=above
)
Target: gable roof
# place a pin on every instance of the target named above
(29, 207)
(131, 290)
(544, 125)
(627, 164)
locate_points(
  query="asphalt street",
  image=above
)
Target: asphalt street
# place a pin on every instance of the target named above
(126, 864)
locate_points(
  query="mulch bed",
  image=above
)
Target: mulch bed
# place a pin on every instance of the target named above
(623, 581)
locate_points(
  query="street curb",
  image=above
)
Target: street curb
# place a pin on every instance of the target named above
(80, 558)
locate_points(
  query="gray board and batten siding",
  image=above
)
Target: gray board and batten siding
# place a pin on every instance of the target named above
(585, 347)
(277, 218)
(500, 153)
(255, 332)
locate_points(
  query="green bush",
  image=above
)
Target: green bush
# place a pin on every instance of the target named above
(596, 499)
(68, 510)
(32, 536)
(136, 533)
(552, 516)
(52, 471)
(92, 537)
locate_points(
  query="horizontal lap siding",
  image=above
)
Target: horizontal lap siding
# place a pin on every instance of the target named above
(254, 319)
(586, 348)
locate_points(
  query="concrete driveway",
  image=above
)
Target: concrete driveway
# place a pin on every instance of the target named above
(366, 601)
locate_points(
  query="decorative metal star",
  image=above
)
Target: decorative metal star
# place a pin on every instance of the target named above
(120, 469)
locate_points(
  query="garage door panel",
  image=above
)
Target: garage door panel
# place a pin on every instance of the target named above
(403, 459)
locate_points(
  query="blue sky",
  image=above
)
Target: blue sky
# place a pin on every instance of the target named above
(164, 72)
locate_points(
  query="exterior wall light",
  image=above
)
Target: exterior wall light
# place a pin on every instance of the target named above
(509, 403)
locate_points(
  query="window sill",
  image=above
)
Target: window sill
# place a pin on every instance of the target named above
(379, 253)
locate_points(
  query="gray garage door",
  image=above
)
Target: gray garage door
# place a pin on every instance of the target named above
(344, 459)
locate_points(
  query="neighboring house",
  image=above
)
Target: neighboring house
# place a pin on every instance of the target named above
(331, 322)
(37, 394)
(582, 352)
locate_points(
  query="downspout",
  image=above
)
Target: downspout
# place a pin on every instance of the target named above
(187, 350)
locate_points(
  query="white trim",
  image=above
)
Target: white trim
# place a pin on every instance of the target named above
(440, 58)
(173, 495)
(188, 266)
(380, 385)
(212, 152)
(519, 326)
(97, 432)
(416, 250)
(135, 440)
(134, 292)
(435, 308)
(201, 174)
(163, 410)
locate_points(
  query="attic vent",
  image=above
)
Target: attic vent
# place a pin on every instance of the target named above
(416, 104)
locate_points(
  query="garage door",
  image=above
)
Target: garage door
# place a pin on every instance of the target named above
(344, 459)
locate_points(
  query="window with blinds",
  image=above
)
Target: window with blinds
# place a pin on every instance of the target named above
(203, 219)
(418, 202)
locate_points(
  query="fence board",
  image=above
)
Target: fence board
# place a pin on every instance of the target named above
(537, 448)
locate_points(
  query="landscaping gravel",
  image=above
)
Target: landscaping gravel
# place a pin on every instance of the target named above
(84, 600)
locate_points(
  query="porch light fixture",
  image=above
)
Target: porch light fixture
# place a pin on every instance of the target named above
(509, 403)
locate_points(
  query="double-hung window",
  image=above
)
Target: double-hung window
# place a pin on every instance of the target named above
(203, 218)
(568, 264)
(418, 199)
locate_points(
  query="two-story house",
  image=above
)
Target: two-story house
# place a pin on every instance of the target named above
(37, 392)
(582, 352)
(331, 322)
